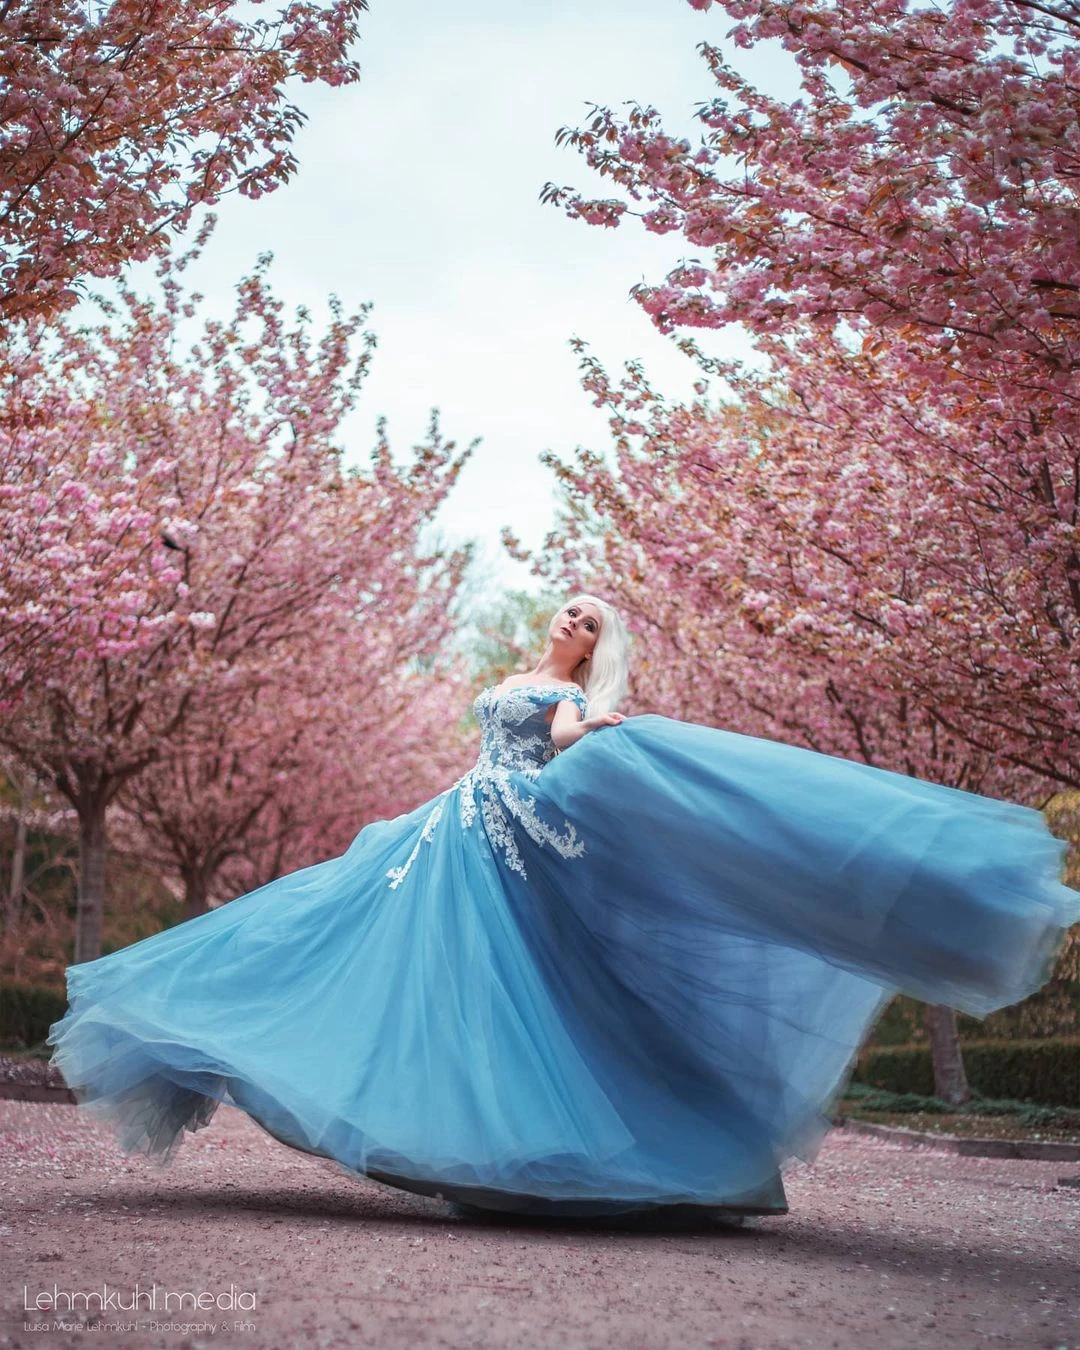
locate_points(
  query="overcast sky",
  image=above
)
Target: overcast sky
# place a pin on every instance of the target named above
(418, 190)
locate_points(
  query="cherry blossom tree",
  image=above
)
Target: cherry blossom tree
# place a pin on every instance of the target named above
(347, 734)
(424, 746)
(180, 525)
(906, 259)
(923, 186)
(716, 528)
(118, 119)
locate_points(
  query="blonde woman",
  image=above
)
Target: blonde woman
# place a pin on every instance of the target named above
(621, 964)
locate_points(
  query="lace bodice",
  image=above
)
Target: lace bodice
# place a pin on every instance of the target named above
(515, 731)
(515, 739)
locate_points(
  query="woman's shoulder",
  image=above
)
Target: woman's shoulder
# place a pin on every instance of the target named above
(523, 681)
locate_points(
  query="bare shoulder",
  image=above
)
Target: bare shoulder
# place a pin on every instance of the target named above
(530, 681)
(511, 682)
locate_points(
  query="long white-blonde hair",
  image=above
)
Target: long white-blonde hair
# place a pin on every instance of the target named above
(603, 675)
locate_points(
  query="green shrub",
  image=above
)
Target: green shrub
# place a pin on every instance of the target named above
(860, 1098)
(1028, 1071)
(26, 1013)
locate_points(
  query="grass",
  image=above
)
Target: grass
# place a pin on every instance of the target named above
(39, 1051)
(981, 1117)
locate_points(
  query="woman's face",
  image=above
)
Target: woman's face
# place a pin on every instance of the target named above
(575, 629)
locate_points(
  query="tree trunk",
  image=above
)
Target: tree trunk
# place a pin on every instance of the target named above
(13, 907)
(91, 900)
(950, 1079)
(195, 890)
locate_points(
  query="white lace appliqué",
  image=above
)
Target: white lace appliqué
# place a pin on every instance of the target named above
(397, 874)
(508, 746)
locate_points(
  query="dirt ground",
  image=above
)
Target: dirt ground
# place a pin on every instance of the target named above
(884, 1249)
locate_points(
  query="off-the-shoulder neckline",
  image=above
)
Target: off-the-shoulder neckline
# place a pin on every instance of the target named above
(514, 688)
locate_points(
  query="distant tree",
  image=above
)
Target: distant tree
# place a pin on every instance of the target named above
(508, 633)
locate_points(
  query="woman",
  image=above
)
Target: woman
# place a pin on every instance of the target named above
(629, 975)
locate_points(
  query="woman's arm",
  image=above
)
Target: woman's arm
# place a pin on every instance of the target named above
(566, 728)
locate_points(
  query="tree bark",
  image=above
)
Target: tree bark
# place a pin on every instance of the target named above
(950, 1078)
(91, 896)
(195, 890)
(14, 905)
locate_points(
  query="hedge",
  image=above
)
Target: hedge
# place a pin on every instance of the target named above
(27, 1012)
(1052, 1012)
(1029, 1071)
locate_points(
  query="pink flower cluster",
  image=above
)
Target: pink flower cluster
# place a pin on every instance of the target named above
(117, 119)
(874, 547)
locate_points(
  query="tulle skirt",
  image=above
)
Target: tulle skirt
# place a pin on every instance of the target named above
(663, 1019)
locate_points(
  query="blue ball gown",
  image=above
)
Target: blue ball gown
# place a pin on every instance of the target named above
(630, 975)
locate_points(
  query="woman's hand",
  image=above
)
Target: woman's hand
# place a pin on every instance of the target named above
(611, 719)
(567, 726)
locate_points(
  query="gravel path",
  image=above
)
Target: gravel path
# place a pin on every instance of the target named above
(884, 1249)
